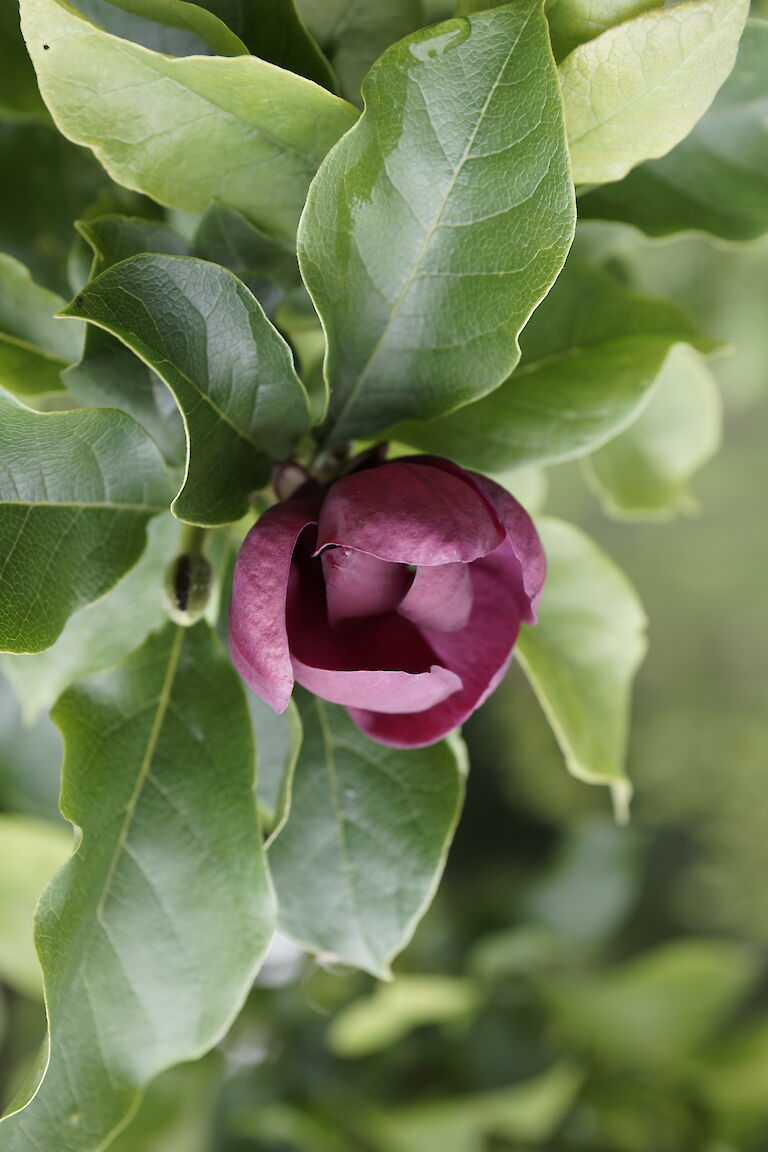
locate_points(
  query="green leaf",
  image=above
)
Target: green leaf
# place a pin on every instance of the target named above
(573, 22)
(175, 27)
(644, 471)
(100, 634)
(734, 1072)
(108, 373)
(34, 347)
(278, 741)
(76, 492)
(655, 1010)
(232, 374)
(438, 224)
(274, 31)
(177, 1111)
(715, 180)
(589, 889)
(151, 936)
(265, 265)
(30, 755)
(375, 1022)
(359, 858)
(46, 183)
(30, 852)
(18, 89)
(582, 655)
(529, 1110)
(185, 131)
(354, 33)
(637, 90)
(592, 354)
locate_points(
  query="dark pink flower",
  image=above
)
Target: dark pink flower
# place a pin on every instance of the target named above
(397, 591)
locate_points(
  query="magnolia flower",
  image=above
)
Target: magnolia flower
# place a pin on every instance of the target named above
(398, 591)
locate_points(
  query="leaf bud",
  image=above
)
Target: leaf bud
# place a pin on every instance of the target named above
(188, 583)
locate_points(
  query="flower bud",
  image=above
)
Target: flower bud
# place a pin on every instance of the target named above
(188, 583)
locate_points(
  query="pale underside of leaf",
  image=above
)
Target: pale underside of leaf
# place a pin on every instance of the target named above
(185, 131)
(637, 90)
(581, 656)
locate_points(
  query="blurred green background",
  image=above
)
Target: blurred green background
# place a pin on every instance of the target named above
(576, 985)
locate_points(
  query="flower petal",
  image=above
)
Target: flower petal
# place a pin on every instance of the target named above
(400, 692)
(358, 584)
(439, 598)
(524, 539)
(380, 661)
(513, 518)
(410, 513)
(479, 654)
(257, 627)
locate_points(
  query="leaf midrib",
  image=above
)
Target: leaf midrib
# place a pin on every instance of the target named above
(422, 253)
(333, 785)
(162, 705)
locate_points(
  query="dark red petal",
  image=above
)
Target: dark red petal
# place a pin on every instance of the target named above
(439, 598)
(524, 539)
(410, 513)
(257, 626)
(381, 660)
(479, 654)
(358, 584)
(516, 522)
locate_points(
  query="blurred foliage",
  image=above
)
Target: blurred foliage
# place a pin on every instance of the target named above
(576, 987)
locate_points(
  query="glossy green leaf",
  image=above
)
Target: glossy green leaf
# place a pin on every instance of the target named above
(185, 131)
(100, 634)
(76, 492)
(637, 90)
(439, 223)
(582, 655)
(232, 374)
(573, 22)
(354, 33)
(30, 852)
(715, 180)
(645, 471)
(175, 27)
(359, 858)
(151, 936)
(592, 354)
(655, 1010)
(375, 1022)
(108, 373)
(34, 347)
